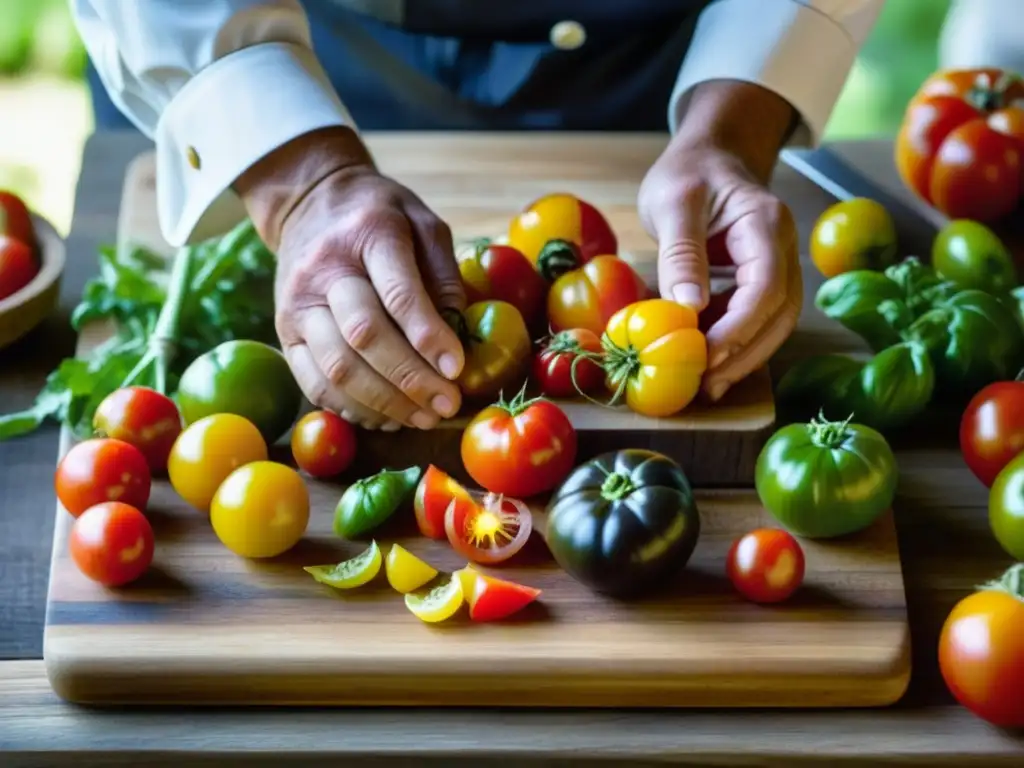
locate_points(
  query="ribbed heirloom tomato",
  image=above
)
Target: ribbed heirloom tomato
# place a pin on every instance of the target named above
(502, 273)
(588, 297)
(99, 470)
(142, 417)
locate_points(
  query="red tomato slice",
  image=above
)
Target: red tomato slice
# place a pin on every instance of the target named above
(434, 494)
(490, 531)
(491, 599)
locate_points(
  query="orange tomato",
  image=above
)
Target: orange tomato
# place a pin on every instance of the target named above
(853, 234)
(588, 297)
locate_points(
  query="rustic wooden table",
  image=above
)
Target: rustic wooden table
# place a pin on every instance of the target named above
(944, 540)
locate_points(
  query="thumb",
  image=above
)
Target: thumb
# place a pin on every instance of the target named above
(682, 231)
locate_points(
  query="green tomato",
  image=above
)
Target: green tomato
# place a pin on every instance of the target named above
(826, 479)
(247, 378)
(367, 503)
(1006, 508)
(971, 255)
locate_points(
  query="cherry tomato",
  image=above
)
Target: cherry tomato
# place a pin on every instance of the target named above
(142, 417)
(102, 469)
(111, 543)
(1006, 507)
(519, 448)
(501, 273)
(765, 565)
(553, 364)
(437, 604)
(853, 234)
(15, 219)
(497, 346)
(351, 573)
(260, 510)
(588, 297)
(972, 256)
(323, 444)
(208, 451)
(436, 490)
(492, 599)
(490, 531)
(656, 356)
(981, 651)
(542, 230)
(405, 571)
(992, 429)
(17, 266)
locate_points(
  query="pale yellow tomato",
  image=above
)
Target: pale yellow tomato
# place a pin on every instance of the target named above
(261, 509)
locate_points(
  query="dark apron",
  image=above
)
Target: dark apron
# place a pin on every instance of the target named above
(479, 65)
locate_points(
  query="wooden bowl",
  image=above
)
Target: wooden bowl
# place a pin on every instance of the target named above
(24, 310)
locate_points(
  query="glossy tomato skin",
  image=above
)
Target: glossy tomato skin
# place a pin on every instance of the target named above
(553, 364)
(323, 444)
(111, 543)
(142, 417)
(992, 429)
(502, 273)
(99, 470)
(561, 217)
(493, 599)
(15, 219)
(435, 492)
(497, 345)
(588, 297)
(853, 234)
(623, 522)
(972, 256)
(519, 449)
(17, 266)
(1006, 507)
(981, 653)
(766, 565)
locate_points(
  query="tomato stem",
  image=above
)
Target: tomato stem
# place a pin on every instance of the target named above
(519, 403)
(457, 322)
(617, 486)
(829, 434)
(556, 258)
(1011, 582)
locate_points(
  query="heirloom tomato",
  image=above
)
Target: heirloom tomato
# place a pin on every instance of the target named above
(853, 234)
(972, 256)
(766, 565)
(323, 444)
(437, 604)
(405, 571)
(500, 272)
(497, 346)
(491, 598)
(17, 266)
(559, 232)
(588, 297)
(519, 448)
(555, 367)
(992, 429)
(99, 470)
(15, 219)
(434, 494)
(111, 543)
(656, 356)
(351, 573)
(981, 650)
(490, 531)
(961, 145)
(1006, 507)
(141, 417)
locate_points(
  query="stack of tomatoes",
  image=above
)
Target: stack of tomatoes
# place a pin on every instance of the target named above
(18, 263)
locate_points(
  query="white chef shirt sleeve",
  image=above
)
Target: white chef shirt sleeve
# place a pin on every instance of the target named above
(217, 85)
(802, 50)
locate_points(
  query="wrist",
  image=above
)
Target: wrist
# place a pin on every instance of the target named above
(743, 119)
(277, 183)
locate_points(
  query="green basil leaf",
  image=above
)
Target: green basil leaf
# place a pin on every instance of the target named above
(367, 503)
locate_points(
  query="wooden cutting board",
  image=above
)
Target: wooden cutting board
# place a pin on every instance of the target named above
(205, 626)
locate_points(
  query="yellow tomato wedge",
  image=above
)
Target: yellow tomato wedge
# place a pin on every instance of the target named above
(349, 574)
(656, 356)
(405, 571)
(437, 604)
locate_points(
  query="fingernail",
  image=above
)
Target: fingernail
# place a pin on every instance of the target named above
(449, 365)
(443, 405)
(689, 295)
(423, 420)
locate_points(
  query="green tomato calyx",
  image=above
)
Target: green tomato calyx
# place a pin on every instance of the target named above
(1011, 582)
(517, 404)
(829, 434)
(617, 486)
(556, 258)
(457, 322)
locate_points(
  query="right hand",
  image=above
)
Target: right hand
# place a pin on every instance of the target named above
(364, 271)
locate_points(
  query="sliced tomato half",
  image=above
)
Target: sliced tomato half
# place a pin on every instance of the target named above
(489, 531)
(435, 492)
(492, 599)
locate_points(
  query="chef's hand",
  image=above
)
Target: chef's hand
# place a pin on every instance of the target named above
(364, 268)
(711, 184)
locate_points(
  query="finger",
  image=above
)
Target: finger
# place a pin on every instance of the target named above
(374, 337)
(436, 257)
(391, 265)
(682, 232)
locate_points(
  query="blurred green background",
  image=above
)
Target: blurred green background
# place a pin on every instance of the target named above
(45, 114)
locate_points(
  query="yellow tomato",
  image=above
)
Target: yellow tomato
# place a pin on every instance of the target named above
(209, 450)
(497, 347)
(437, 604)
(261, 509)
(658, 357)
(853, 234)
(405, 571)
(351, 573)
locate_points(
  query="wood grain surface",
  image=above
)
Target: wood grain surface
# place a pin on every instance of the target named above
(208, 627)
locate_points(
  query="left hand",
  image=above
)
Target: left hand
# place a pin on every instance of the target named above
(711, 186)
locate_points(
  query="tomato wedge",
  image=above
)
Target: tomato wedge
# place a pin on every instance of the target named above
(492, 599)
(351, 573)
(491, 530)
(434, 493)
(405, 571)
(437, 604)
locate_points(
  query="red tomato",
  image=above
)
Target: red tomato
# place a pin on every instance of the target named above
(765, 565)
(992, 429)
(141, 417)
(434, 494)
(961, 146)
(491, 599)
(501, 273)
(323, 444)
(520, 448)
(588, 297)
(489, 531)
(17, 266)
(112, 543)
(99, 470)
(15, 220)
(553, 364)
(981, 651)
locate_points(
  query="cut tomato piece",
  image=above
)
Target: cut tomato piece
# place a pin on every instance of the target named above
(349, 574)
(405, 571)
(491, 599)
(437, 604)
(489, 531)
(433, 495)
